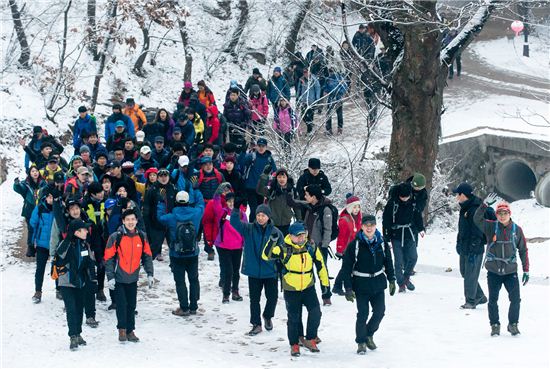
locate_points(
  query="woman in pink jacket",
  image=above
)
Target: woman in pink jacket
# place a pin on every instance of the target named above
(284, 121)
(230, 247)
(259, 107)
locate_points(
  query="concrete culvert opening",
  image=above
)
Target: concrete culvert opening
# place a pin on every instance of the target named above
(516, 180)
(542, 192)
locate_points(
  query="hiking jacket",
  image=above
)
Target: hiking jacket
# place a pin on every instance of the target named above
(469, 239)
(30, 191)
(348, 226)
(76, 257)
(41, 223)
(111, 121)
(227, 236)
(307, 179)
(81, 126)
(277, 87)
(284, 120)
(255, 163)
(137, 116)
(281, 212)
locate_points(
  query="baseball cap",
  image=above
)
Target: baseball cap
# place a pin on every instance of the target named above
(159, 139)
(504, 206)
(119, 123)
(83, 170)
(145, 150)
(183, 161)
(262, 141)
(297, 228)
(140, 136)
(182, 197)
(368, 219)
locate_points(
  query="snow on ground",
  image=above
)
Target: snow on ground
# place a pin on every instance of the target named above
(507, 54)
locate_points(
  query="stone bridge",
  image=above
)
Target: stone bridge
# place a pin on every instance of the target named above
(514, 164)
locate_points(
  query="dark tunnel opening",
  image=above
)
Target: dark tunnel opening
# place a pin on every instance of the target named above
(516, 180)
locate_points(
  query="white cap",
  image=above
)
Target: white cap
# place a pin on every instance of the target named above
(183, 161)
(145, 150)
(182, 197)
(140, 136)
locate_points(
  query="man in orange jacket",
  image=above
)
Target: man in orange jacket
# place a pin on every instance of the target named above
(135, 113)
(126, 249)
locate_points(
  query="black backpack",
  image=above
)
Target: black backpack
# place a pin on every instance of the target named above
(334, 229)
(186, 239)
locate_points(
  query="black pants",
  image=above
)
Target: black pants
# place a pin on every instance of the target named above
(100, 265)
(378, 304)
(231, 261)
(126, 296)
(42, 255)
(307, 116)
(324, 252)
(470, 266)
(156, 238)
(294, 301)
(338, 107)
(253, 201)
(29, 232)
(511, 283)
(458, 60)
(339, 281)
(90, 289)
(74, 308)
(255, 286)
(180, 266)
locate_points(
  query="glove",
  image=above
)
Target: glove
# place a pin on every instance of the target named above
(274, 237)
(150, 281)
(267, 169)
(491, 199)
(525, 278)
(339, 256)
(194, 181)
(325, 290)
(16, 180)
(350, 296)
(111, 284)
(392, 288)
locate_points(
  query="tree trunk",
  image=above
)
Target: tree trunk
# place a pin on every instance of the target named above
(21, 37)
(290, 43)
(235, 37)
(104, 52)
(92, 36)
(60, 79)
(187, 51)
(138, 66)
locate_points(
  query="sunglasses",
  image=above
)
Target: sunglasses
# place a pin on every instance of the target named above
(503, 212)
(163, 173)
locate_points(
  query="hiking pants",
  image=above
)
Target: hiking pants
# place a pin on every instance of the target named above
(338, 107)
(255, 286)
(126, 296)
(180, 266)
(90, 290)
(294, 301)
(408, 249)
(74, 308)
(378, 304)
(511, 283)
(42, 255)
(231, 261)
(253, 201)
(470, 266)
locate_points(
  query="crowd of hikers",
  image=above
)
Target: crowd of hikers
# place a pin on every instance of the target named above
(195, 181)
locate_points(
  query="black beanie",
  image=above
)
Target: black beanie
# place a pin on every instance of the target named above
(404, 190)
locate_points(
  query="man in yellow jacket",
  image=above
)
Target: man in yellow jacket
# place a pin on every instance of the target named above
(297, 257)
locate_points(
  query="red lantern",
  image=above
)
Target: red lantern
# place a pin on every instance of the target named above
(517, 27)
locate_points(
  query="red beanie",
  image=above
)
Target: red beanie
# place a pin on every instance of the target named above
(149, 171)
(503, 206)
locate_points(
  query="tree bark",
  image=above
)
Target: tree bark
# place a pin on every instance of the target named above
(60, 79)
(138, 66)
(92, 37)
(290, 43)
(21, 37)
(236, 36)
(187, 51)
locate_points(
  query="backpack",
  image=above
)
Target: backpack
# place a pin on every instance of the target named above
(281, 262)
(119, 236)
(57, 269)
(186, 240)
(334, 229)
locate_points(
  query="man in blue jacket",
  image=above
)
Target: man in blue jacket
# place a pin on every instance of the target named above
(183, 224)
(85, 123)
(116, 116)
(308, 93)
(256, 163)
(277, 87)
(261, 274)
(335, 87)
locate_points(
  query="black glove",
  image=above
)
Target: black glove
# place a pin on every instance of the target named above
(16, 180)
(267, 169)
(392, 288)
(350, 296)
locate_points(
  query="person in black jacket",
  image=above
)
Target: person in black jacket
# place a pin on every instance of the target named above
(232, 175)
(367, 264)
(470, 242)
(313, 175)
(400, 224)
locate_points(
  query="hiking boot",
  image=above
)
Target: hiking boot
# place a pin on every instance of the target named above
(495, 330)
(225, 300)
(92, 322)
(101, 296)
(327, 302)
(255, 330)
(180, 312)
(268, 324)
(74, 343)
(410, 286)
(317, 340)
(112, 306)
(370, 343)
(131, 336)
(513, 329)
(193, 312)
(58, 295)
(80, 340)
(295, 350)
(122, 336)
(235, 296)
(362, 348)
(301, 340)
(482, 301)
(402, 288)
(37, 297)
(467, 306)
(338, 291)
(311, 345)
(210, 256)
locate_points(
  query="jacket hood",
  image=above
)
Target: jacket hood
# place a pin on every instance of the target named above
(289, 242)
(213, 109)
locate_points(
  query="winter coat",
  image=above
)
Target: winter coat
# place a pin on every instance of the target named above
(161, 157)
(32, 149)
(187, 132)
(30, 191)
(81, 126)
(253, 81)
(336, 87)
(348, 226)
(73, 187)
(237, 184)
(307, 179)
(372, 257)
(298, 261)
(277, 199)
(255, 163)
(308, 90)
(255, 238)
(400, 221)
(137, 116)
(277, 87)
(364, 45)
(95, 212)
(470, 239)
(48, 174)
(227, 236)
(237, 113)
(212, 129)
(259, 107)
(206, 98)
(122, 261)
(97, 148)
(319, 232)
(284, 120)
(503, 242)
(198, 126)
(110, 125)
(143, 164)
(154, 129)
(185, 97)
(116, 141)
(209, 182)
(181, 214)
(41, 223)
(75, 258)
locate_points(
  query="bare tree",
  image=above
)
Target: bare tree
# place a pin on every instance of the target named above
(241, 23)
(92, 42)
(182, 24)
(21, 37)
(290, 43)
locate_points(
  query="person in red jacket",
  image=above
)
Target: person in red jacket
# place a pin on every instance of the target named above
(212, 134)
(349, 223)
